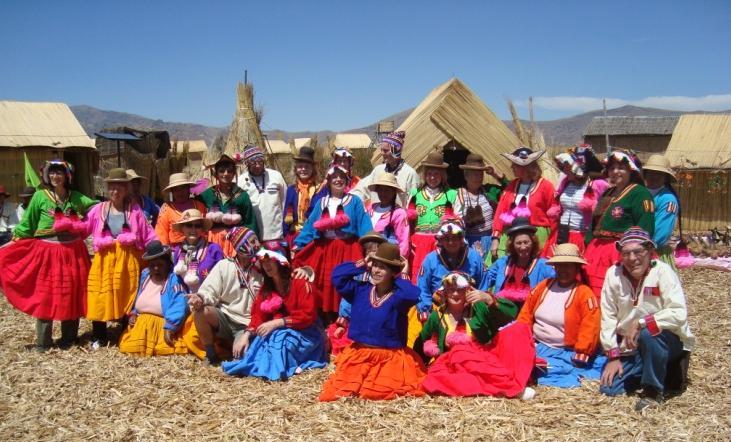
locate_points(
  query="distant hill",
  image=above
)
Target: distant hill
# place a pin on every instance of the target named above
(563, 131)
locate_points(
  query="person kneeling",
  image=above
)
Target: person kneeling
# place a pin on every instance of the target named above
(157, 325)
(288, 338)
(644, 328)
(378, 365)
(474, 356)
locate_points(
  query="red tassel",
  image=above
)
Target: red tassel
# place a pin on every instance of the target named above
(411, 212)
(448, 210)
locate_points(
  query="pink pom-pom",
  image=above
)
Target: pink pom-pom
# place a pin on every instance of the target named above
(513, 294)
(79, 227)
(271, 304)
(599, 186)
(431, 348)
(522, 210)
(507, 218)
(126, 238)
(211, 216)
(63, 224)
(340, 220)
(554, 212)
(200, 186)
(457, 338)
(236, 218)
(104, 242)
(587, 203)
(683, 262)
(322, 224)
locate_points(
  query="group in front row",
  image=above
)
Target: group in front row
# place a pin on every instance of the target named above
(415, 287)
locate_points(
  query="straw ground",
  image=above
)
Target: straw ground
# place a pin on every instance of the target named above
(83, 394)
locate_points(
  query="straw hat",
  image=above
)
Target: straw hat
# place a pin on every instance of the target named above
(223, 158)
(566, 253)
(117, 175)
(473, 162)
(306, 154)
(3, 191)
(27, 191)
(155, 249)
(191, 215)
(132, 175)
(521, 225)
(524, 156)
(659, 163)
(385, 179)
(371, 236)
(179, 179)
(388, 253)
(436, 160)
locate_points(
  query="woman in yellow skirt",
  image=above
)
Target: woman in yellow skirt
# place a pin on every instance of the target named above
(119, 232)
(157, 323)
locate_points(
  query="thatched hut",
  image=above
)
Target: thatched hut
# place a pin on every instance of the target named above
(351, 141)
(455, 120)
(43, 131)
(700, 151)
(644, 135)
(195, 153)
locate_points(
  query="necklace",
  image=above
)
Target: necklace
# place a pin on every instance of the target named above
(260, 188)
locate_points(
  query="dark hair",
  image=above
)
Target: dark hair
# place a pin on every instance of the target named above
(535, 245)
(62, 169)
(268, 282)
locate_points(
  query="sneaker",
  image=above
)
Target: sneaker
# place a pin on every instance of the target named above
(527, 394)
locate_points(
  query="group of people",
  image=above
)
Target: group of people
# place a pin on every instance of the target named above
(415, 287)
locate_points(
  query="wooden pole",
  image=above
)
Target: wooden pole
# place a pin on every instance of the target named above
(606, 126)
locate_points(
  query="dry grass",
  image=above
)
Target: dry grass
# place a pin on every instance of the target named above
(79, 394)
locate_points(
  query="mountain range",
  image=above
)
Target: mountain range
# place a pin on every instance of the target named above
(562, 131)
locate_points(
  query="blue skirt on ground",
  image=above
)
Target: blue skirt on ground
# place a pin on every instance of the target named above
(282, 354)
(561, 371)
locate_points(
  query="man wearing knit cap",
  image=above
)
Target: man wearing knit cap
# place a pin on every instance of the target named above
(267, 191)
(407, 178)
(644, 329)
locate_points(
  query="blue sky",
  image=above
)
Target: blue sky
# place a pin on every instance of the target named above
(344, 64)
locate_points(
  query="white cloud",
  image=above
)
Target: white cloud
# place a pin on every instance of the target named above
(585, 104)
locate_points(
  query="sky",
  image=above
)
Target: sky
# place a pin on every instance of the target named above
(344, 64)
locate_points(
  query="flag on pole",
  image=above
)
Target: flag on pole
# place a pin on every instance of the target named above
(31, 176)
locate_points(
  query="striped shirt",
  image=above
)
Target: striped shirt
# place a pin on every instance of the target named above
(570, 198)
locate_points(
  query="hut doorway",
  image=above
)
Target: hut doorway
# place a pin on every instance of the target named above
(455, 155)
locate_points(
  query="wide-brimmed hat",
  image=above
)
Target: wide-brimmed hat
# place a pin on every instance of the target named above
(473, 162)
(635, 234)
(117, 175)
(372, 236)
(385, 179)
(191, 215)
(388, 253)
(179, 179)
(224, 158)
(521, 225)
(566, 253)
(155, 249)
(3, 191)
(659, 163)
(435, 159)
(132, 175)
(27, 191)
(523, 156)
(68, 168)
(306, 153)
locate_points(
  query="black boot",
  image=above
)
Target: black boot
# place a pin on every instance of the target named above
(99, 334)
(44, 335)
(69, 331)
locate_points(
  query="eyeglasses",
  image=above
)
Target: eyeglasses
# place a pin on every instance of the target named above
(636, 252)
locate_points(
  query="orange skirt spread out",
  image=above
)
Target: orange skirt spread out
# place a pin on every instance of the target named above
(375, 373)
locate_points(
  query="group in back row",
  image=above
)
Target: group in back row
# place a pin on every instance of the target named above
(475, 254)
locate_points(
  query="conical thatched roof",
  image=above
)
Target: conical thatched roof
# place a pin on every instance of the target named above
(453, 112)
(244, 130)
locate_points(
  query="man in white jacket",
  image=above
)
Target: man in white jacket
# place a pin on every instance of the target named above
(267, 191)
(644, 329)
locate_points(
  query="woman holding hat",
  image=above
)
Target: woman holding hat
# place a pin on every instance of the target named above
(576, 197)
(119, 233)
(378, 365)
(299, 194)
(626, 203)
(427, 204)
(287, 336)
(330, 236)
(387, 217)
(514, 275)
(476, 202)
(659, 177)
(527, 196)
(475, 351)
(50, 233)
(195, 256)
(565, 319)
(228, 204)
(171, 211)
(157, 323)
(8, 217)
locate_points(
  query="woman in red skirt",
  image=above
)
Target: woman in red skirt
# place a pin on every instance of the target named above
(45, 269)
(330, 237)
(475, 352)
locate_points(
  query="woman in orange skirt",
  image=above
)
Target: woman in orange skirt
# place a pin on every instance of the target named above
(378, 364)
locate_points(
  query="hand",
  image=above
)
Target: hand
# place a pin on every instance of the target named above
(478, 248)
(195, 302)
(306, 272)
(241, 344)
(339, 332)
(169, 337)
(490, 170)
(612, 369)
(632, 337)
(131, 319)
(268, 327)
(494, 246)
(474, 295)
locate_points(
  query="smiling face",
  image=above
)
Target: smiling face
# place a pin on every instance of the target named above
(193, 231)
(566, 272)
(343, 161)
(452, 244)
(381, 272)
(57, 176)
(473, 178)
(635, 259)
(456, 297)
(522, 245)
(433, 177)
(619, 173)
(270, 267)
(337, 182)
(117, 192)
(303, 170)
(226, 172)
(388, 157)
(180, 194)
(386, 195)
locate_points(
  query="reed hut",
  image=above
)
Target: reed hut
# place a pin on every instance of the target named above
(351, 141)
(644, 135)
(195, 153)
(455, 120)
(43, 131)
(700, 152)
